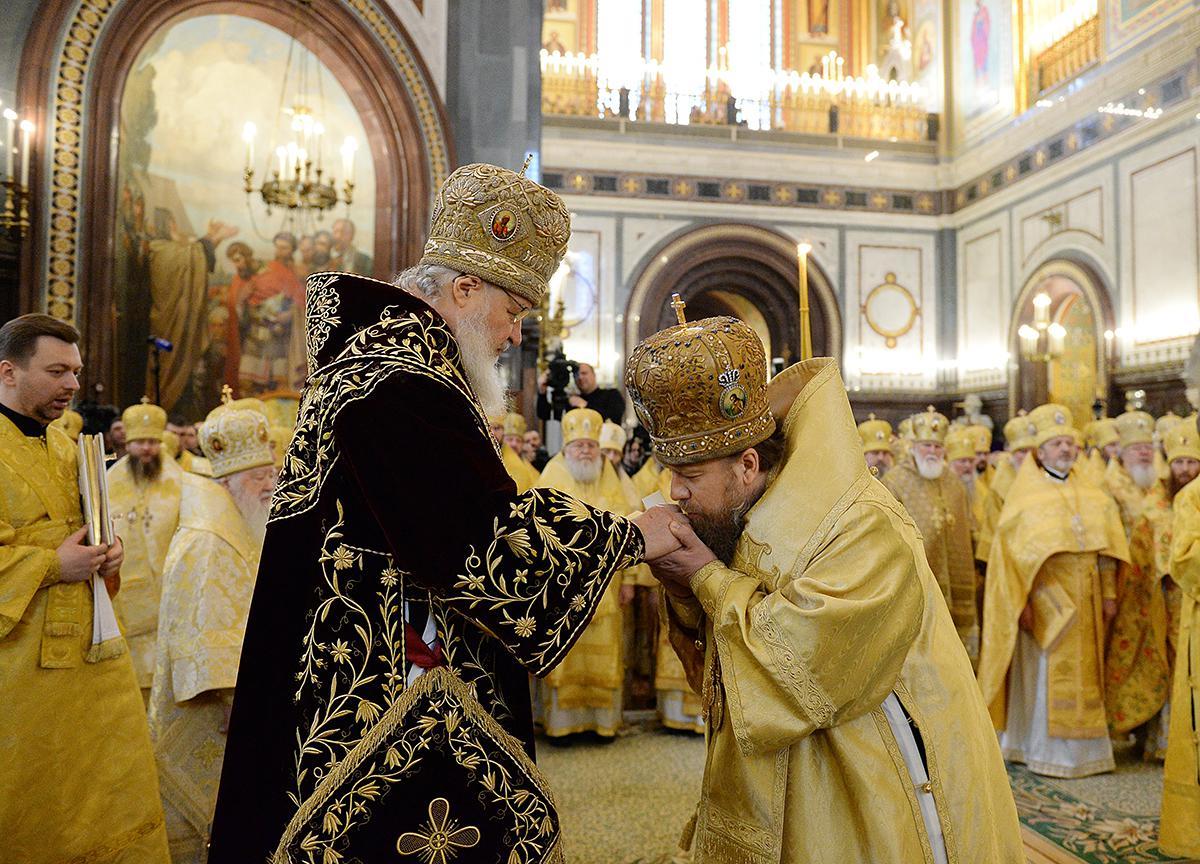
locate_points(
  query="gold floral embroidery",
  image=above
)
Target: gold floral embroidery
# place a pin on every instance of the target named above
(321, 305)
(437, 843)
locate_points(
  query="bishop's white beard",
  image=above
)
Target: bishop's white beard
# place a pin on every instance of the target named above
(481, 363)
(1143, 475)
(930, 467)
(583, 470)
(253, 511)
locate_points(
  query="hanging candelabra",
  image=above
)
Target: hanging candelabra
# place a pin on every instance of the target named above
(296, 178)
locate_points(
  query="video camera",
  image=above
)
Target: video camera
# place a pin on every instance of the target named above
(560, 372)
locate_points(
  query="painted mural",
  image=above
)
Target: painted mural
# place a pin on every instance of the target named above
(198, 262)
(983, 62)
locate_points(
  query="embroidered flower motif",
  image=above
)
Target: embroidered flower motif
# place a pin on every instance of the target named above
(340, 652)
(343, 558)
(518, 541)
(577, 602)
(524, 626)
(437, 841)
(390, 576)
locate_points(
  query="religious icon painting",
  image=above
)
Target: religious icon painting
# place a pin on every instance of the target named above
(504, 224)
(733, 398)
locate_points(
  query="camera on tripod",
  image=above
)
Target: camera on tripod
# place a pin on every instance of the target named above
(559, 373)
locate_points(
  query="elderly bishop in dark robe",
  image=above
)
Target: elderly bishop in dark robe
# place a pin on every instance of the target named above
(406, 590)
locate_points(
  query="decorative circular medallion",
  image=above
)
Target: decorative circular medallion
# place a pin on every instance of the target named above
(733, 401)
(890, 310)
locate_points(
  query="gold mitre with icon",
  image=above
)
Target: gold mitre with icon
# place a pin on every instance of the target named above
(144, 420)
(960, 444)
(1182, 440)
(875, 434)
(1135, 427)
(700, 389)
(514, 424)
(930, 425)
(581, 423)
(501, 226)
(905, 429)
(1051, 421)
(1020, 432)
(236, 436)
(612, 437)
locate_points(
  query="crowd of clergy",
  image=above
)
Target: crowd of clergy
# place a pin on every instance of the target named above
(1069, 562)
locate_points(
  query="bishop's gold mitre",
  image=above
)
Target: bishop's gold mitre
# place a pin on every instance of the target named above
(612, 437)
(875, 434)
(1165, 424)
(144, 421)
(1135, 427)
(929, 425)
(500, 226)
(1051, 421)
(514, 424)
(960, 444)
(581, 423)
(1020, 432)
(982, 436)
(1102, 432)
(236, 437)
(700, 389)
(905, 429)
(1182, 440)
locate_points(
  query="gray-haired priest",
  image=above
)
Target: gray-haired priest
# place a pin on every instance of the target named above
(382, 709)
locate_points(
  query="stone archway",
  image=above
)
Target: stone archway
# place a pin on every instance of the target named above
(746, 271)
(1079, 301)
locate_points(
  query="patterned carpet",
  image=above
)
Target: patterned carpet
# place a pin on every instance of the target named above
(626, 802)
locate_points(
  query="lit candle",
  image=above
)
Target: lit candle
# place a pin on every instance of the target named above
(840, 75)
(349, 146)
(281, 154)
(319, 132)
(10, 117)
(26, 131)
(248, 133)
(293, 166)
(806, 351)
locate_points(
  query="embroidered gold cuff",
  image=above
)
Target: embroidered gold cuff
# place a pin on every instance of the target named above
(709, 584)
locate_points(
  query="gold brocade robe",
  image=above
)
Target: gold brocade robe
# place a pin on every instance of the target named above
(194, 464)
(942, 513)
(77, 776)
(1179, 830)
(828, 608)
(1130, 498)
(522, 473)
(1136, 669)
(144, 516)
(993, 503)
(1048, 540)
(208, 580)
(592, 675)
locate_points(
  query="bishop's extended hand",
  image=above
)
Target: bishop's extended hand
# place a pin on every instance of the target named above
(675, 569)
(655, 525)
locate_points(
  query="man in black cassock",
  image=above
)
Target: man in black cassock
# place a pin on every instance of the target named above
(382, 709)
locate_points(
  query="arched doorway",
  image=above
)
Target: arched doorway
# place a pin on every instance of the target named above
(1078, 375)
(746, 271)
(75, 67)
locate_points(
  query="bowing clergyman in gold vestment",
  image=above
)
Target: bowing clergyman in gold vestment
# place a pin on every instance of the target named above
(844, 720)
(143, 495)
(208, 580)
(76, 770)
(937, 502)
(585, 693)
(1179, 829)
(1050, 589)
